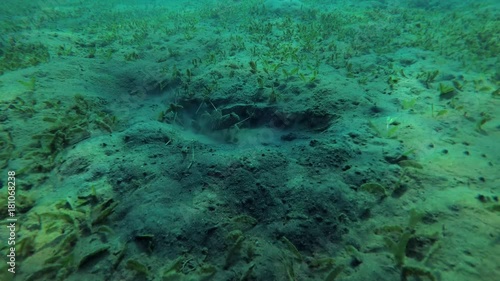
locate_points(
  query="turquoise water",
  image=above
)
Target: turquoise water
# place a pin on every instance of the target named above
(250, 140)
